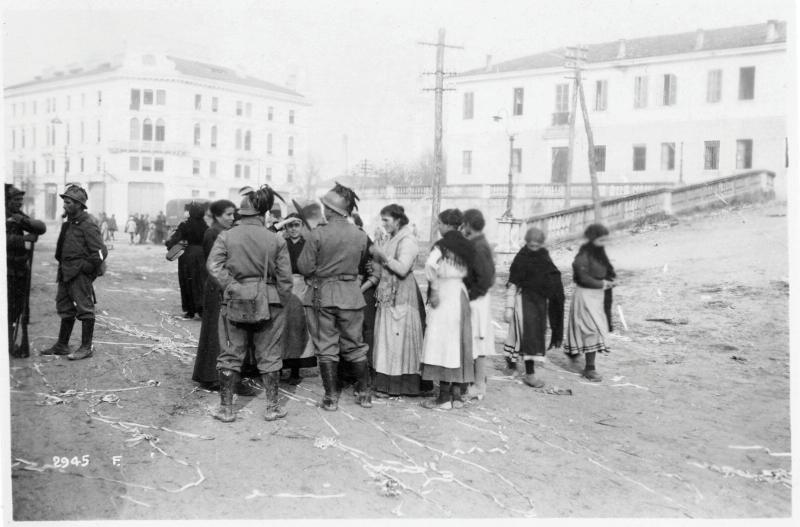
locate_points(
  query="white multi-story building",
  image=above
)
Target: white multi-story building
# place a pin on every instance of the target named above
(679, 108)
(146, 128)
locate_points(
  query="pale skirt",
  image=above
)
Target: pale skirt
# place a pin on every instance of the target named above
(440, 346)
(482, 327)
(587, 330)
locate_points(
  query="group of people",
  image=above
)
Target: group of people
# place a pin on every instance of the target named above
(314, 290)
(141, 229)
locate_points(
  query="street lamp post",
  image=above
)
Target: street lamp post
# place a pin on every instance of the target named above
(509, 195)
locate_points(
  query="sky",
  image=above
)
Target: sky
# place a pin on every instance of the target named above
(358, 62)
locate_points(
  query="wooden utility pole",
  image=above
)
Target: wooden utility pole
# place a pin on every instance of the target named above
(437, 140)
(575, 59)
(571, 60)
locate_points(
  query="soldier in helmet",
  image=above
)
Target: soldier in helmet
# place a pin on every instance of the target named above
(239, 256)
(80, 252)
(21, 232)
(333, 301)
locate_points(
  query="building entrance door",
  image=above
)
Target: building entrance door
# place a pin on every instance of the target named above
(50, 201)
(559, 161)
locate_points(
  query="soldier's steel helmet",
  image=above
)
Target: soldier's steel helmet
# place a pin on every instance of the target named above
(76, 193)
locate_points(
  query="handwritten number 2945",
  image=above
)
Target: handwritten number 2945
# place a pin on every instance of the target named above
(64, 462)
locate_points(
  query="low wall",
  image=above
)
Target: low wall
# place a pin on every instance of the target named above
(570, 223)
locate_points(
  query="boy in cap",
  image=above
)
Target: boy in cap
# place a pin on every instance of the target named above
(21, 230)
(80, 251)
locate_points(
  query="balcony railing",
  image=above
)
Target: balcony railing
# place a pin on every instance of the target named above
(154, 147)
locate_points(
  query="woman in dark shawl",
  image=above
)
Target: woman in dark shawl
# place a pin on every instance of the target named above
(589, 313)
(192, 263)
(534, 294)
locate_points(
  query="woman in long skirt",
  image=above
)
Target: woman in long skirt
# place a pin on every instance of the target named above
(534, 294)
(447, 347)
(398, 323)
(192, 263)
(587, 331)
(298, 350)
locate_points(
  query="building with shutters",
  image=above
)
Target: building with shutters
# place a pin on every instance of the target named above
(679, 108)
(146, 128)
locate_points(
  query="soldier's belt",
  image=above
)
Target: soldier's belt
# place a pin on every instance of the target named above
(255, 279)
(317, 281)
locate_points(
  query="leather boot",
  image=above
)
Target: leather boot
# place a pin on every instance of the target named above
(227, 380)
(330, 381)
(589, 371)
(274, 410)
(62, 346)
(364, 393)
(87, 332)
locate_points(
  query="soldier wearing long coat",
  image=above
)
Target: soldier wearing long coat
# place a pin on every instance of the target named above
(22, 232)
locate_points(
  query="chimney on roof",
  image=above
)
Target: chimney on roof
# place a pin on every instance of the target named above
(772, 30)
(621, 50)
(699, 39)
(488, 63)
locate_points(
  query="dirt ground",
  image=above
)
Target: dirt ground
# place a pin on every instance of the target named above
(691, 420)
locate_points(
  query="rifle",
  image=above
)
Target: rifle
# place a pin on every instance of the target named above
(17, 341)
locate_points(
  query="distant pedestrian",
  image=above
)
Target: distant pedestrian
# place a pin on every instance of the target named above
(22, 231)
(104, 227)
(192, 263)
(80, 253)
(589, 319)
(399, 322)
(130, 229)
(447, 347)
(112, 227)
(534, 294)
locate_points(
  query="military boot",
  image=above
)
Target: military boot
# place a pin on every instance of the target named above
(227, 380)
(363, 390)
(330, 381)
(62, 346)
(274, 410)
(86, 350)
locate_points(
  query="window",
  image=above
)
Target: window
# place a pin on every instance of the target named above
(290, 173)
(559, 164)
(238, 107)
(247, 138)
(158, 164)
(516, 160)
(269, 143)
(213, 137)
(214, 104)
(667, 156)
(248, 110)
(600, 96)
(147, 130)
(133, 163)
(247, 171)
(640, 92)
(147, 164)
(268, 174)
(747, 83)
(83, 165)
(195, 167)
(212, 194)
(98, 131)
(469, 101)
(147, 97)
(98, 162)
(198, 101)
(670, 89)
(135, 96)
(237, 170)
(519, 95)
(197, 134)
(714, 86)
(639, 158)
(161, 97)
(270, 113)
(711, 158)
(83, 130)
(13, 139)
(66, 135)
(53, 135)
(466, 162)
(160, 133)
(561, 115)
(291, 116)
(22, 138)
(212, 168)
(134, 129)
(238, 139)
(744, 153)
(599, 158)
(291, 147)
(66, 165)
(195, 193)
